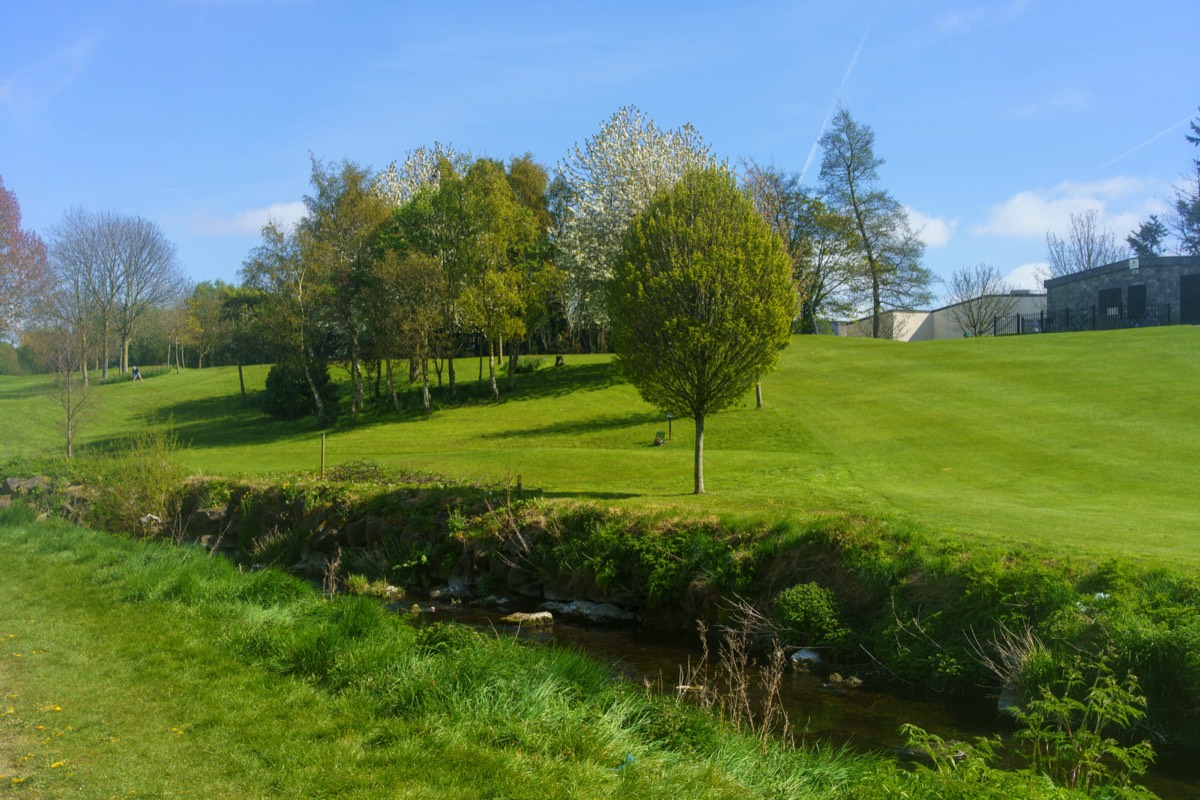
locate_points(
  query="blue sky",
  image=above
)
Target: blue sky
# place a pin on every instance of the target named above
(996, 120)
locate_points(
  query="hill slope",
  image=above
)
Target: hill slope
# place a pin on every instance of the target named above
(1083, 443)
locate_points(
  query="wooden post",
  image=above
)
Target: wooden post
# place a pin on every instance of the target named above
(322, 455)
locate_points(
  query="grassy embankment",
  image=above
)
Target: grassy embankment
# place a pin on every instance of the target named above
(142, 670)
(1074, 444)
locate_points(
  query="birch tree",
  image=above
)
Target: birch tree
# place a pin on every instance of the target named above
(610, 178)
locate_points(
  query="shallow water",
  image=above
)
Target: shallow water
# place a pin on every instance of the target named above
(864, 719)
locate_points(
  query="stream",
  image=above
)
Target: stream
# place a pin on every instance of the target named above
(863, 719)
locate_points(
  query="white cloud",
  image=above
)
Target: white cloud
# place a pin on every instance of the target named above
(1028, 276)
(934, 231)
(250, 220)
(1122, 203)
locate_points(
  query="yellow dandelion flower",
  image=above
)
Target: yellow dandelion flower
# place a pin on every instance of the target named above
(58, 764)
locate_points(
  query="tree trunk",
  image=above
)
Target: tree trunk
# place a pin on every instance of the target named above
(70, 420)
(492, 372)
(512, 367)
(104, 352)
(312, 387)
(699, 454)
(876, 307)
(425, 385)
(83, 370)
(758, 394)
(242, 381)
(391, 386)
(450, 369)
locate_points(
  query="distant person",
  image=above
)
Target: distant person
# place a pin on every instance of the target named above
(137, 375)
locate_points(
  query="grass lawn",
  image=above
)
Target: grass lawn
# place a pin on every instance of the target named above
(1077, 443)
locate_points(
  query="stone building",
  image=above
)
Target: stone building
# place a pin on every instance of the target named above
(1164, 289)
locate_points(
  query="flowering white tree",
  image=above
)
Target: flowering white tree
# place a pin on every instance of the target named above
(400, 182)
(610, 179)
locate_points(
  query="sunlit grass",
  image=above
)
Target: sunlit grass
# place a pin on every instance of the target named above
(1082, 443)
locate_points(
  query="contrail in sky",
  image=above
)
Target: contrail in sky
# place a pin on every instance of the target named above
(813, 151)
(1130, 152)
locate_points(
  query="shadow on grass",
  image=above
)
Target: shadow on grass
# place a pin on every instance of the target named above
(578, 426)
(218, 421)
(561, 381)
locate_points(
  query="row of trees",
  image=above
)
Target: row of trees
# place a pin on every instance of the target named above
(443, 255)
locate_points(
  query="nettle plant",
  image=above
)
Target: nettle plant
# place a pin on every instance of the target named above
(1071, 729)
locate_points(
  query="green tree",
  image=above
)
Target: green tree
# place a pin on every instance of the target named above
(242, 310)
(278, 270)
(701, 299)
(344, 219)
(1149, 239)
(208, 325)
(891, 251)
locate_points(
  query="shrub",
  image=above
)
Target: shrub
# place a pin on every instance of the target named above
(142, 484)
(810, 612)
(287, 394)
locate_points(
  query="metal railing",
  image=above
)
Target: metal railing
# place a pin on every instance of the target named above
(1083, 319)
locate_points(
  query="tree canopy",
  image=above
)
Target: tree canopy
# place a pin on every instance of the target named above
(701, 299)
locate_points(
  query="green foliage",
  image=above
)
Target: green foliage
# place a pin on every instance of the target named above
(631, 556)
(701, 297)
(1071, 728)
(810, 612)
(288, 395)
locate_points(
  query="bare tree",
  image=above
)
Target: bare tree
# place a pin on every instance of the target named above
(1088, 244)
(65, 325)
(83, 256)
(149, 274)
(979, 295)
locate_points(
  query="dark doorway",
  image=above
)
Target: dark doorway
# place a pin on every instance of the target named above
(1137, 303)
(1189, 299)
(1110, 309)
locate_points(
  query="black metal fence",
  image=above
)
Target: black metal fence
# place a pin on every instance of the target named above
(1083, 319)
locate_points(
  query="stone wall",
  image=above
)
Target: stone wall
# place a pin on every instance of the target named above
(1160, 276)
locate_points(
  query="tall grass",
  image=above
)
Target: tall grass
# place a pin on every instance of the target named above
(231, 684)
